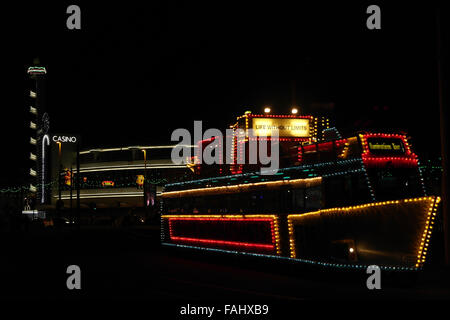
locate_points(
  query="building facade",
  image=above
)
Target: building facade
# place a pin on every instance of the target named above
(123, 177)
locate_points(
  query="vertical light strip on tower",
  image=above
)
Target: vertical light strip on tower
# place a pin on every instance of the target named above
(44, 140)
(37, 74)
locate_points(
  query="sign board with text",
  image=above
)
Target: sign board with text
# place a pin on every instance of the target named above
(294, 128)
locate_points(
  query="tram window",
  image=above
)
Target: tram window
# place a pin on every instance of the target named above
(395, 183)
(345, 190)
(360, 191)
(262, 202)
(218, 204)
(230, 203)
(200, 204)
(251, 203)
(259, 199)
(298, 199)
(267, 200)
(243, 202)
(286, 200)
(334, 189)
(280, 201)
(171, 206)
(348, 191)
(240, 202)
(313, 198)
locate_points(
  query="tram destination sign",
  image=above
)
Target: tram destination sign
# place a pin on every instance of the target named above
(385, 145)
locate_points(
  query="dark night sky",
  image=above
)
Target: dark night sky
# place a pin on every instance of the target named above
(133, 73)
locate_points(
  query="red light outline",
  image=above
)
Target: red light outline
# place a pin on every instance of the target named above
(370, 159)
(222, 242)
(271, 246)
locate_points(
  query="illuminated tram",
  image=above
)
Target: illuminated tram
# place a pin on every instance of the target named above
(338, 202)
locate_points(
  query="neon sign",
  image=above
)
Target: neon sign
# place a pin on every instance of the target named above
(107, 183)
(385, 145)
(286, 127)
(64, 139)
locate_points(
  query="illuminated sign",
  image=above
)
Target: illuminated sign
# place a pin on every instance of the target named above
(385, 146)
(64, 139)
(68, 178)
(286, 127)
(107, 183)
(140, 180)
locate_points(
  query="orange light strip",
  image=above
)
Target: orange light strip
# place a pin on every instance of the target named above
(424, 240)
(241, 187)
(343, 155)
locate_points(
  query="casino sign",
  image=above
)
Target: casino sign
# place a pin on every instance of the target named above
(64, 139)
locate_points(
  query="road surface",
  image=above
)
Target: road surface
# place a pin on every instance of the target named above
(130, 263)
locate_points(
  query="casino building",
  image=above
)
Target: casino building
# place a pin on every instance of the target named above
(122, 177)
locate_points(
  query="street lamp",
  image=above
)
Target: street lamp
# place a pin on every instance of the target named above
(294, 110)
(59, 170)
(267, 109)
(145, 176)
(45, 141)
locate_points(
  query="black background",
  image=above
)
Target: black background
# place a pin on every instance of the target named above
(135, 72)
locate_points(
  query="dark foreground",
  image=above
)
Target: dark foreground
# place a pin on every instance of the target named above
(129, 263)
